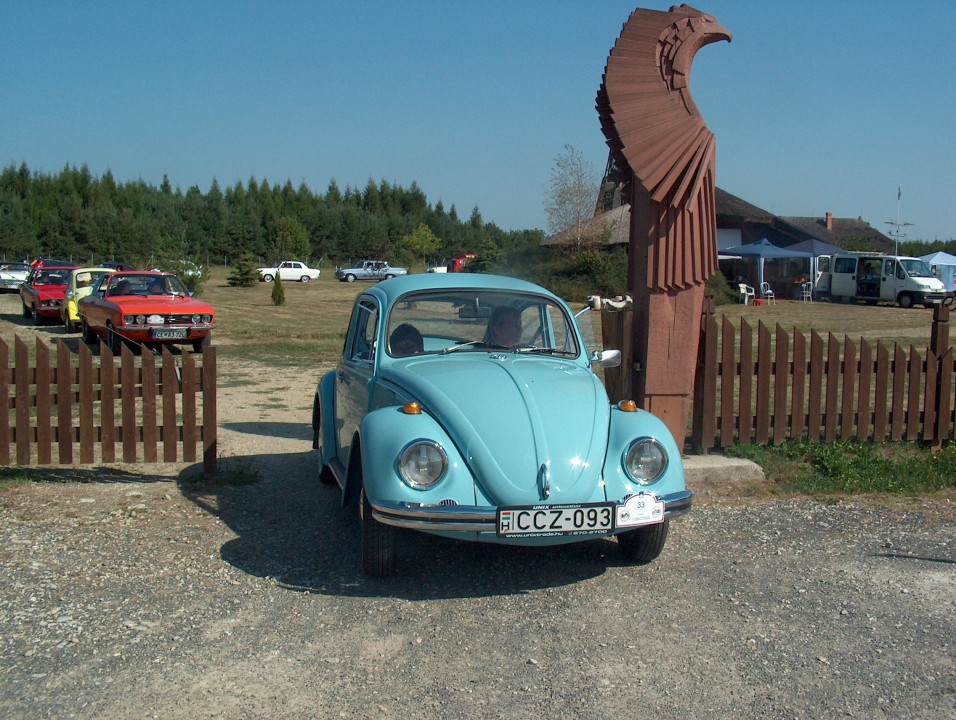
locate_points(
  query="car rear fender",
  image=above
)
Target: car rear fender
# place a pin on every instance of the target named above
(323, 414)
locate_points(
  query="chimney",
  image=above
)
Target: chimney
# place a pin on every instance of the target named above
(829, 221)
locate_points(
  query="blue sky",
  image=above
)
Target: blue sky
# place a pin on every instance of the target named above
(817, 106)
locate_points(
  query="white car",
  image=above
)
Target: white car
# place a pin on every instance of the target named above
(12, 274)
(289, 270)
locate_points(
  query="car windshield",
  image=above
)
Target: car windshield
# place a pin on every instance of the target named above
(917, 268)
(479, 321)
(50, 277)
(130, 284)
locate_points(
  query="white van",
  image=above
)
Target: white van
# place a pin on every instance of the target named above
(872, 277)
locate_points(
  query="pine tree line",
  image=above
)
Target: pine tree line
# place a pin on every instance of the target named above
(76, 216)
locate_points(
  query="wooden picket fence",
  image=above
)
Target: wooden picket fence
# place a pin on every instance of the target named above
(824, 389)
(121, 409)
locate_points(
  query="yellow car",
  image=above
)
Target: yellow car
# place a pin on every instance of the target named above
(80, 284)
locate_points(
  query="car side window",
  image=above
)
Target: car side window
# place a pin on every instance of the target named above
(364, 329)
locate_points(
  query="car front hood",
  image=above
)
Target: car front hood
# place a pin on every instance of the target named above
(161, 303)
(531, 430)
(49, 292)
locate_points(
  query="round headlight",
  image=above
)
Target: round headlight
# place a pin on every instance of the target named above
(129, 319)
(422, 464)
(140, 319)
(645, 460)
(207, 319)
(195, 319)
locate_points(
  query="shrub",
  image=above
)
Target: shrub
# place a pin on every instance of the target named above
(278, 291)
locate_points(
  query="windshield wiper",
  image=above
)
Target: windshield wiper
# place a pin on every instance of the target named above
(459, 346)
(542, 350)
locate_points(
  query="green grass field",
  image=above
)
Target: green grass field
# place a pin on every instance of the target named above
(310, 327)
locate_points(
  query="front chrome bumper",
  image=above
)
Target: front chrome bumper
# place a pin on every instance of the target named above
(471, 518)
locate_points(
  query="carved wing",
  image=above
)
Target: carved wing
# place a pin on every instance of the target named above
(655, 131)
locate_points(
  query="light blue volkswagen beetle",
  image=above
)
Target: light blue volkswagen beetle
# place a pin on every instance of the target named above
(465, 406)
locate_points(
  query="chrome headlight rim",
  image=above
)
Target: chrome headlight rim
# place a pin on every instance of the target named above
(406, 461)
(635, 446)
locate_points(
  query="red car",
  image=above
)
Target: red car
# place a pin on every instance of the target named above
(145, 308)
(42, 293)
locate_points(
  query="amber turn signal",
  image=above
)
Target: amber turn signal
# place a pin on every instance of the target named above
(412, 408)
(627, 406)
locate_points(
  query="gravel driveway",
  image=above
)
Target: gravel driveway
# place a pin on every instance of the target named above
(131, 596)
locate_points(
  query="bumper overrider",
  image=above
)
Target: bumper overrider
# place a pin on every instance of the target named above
(471, 518)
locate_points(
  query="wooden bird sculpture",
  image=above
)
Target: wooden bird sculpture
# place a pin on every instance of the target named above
(666, 155)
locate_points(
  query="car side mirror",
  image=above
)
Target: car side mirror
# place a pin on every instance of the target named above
(606, 358)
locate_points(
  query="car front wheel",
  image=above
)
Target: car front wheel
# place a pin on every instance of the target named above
(205, 341)
(350, 278)
(304, 278)
(266, 278)
(643, 544)
(85, 329)
(378, 542)
(35, 316)
(905, 300)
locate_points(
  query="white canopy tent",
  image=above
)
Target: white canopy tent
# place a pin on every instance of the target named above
(944, 265)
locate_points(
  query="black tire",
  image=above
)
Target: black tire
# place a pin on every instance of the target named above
(88, 337)
(304, 278)
(267, 278)
(905, 300)
(349, 278)
(205, 341)
(114, 340)
(643, 544)
(35, 316)
(68, 325)
(26, 309)
(378, 543)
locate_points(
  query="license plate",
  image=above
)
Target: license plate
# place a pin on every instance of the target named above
(552, 520)
(640, 509)
(169, 334)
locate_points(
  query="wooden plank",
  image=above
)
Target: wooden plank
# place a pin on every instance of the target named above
(170, 435)
(128, 394)
(64, 403)
(189, 387)
(763, 384)
(745, 411)
(728, 377)
(107, 405)
(944, 413)
(22, 380)
(864, 402)
(209, 418)
(913, 404)
(708, 431)
(44, 415)
(847, 406)
(814, 397)
(86, 399)
(781, 373)
(150, 391)
(930, 389)
(6, 437)
(899, 390)
(881, 399)
(798, 418)
(834, 370)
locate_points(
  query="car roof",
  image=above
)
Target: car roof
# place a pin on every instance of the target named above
(391, 290)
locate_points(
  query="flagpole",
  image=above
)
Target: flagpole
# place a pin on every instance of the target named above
(896, 235)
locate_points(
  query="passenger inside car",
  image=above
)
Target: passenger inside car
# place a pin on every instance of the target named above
(406, 340)
(504, 327)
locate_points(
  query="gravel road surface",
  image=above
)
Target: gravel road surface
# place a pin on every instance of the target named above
(128, 595)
